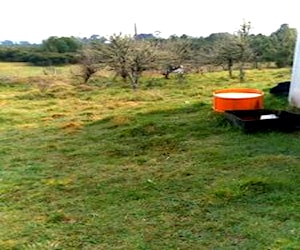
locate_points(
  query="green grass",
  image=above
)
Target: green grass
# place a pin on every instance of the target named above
(109, 168)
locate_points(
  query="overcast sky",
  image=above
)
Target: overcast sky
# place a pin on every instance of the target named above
(36, 20)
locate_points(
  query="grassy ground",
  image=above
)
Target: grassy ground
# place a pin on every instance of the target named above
(104, 167)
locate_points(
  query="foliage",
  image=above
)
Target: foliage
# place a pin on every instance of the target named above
(89, 61)
(35, 56)
(244, 50)
(283, 41)
(141, 57)
(224, 50)
(15, 54)
(129, 57)
(61, 44)
(116, 54)
(179, 51)
(51, 58)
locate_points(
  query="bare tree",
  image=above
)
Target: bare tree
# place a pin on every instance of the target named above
(89, 62)
(141, 57)
(174, 53)
(116, 54)
(129, 57)
(244, 51)
(226, 52)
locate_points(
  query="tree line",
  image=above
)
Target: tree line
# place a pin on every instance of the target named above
(130, 56)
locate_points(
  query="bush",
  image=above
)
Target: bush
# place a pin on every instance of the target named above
(48, 59)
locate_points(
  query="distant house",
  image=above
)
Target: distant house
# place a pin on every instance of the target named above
(143, 36)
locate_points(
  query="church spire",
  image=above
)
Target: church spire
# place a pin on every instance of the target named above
(135, 30)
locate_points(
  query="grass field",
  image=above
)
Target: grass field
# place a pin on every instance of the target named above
(105, 167)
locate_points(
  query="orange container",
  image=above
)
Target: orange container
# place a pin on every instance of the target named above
(238, 99)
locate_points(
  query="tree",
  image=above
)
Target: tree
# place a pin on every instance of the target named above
(244, 49)
(179, 50)
(224, 51)
(141, 57)
(129, 57)
(116, 54)
(89, 60)
(173, 53)
(262, 49)
(61, 44)
(283, 41)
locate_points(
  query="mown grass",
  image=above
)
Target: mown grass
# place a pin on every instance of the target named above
(106, 167)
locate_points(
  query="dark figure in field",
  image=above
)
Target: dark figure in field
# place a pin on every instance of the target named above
(281, 89)
(173, 69)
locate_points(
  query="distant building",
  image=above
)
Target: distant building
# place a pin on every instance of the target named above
(142, 36)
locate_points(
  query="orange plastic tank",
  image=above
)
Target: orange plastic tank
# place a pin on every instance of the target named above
(238, 99)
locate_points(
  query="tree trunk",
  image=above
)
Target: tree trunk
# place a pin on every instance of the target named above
(230, 64)
(230, 73)
(134, 79)
(242, 73)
